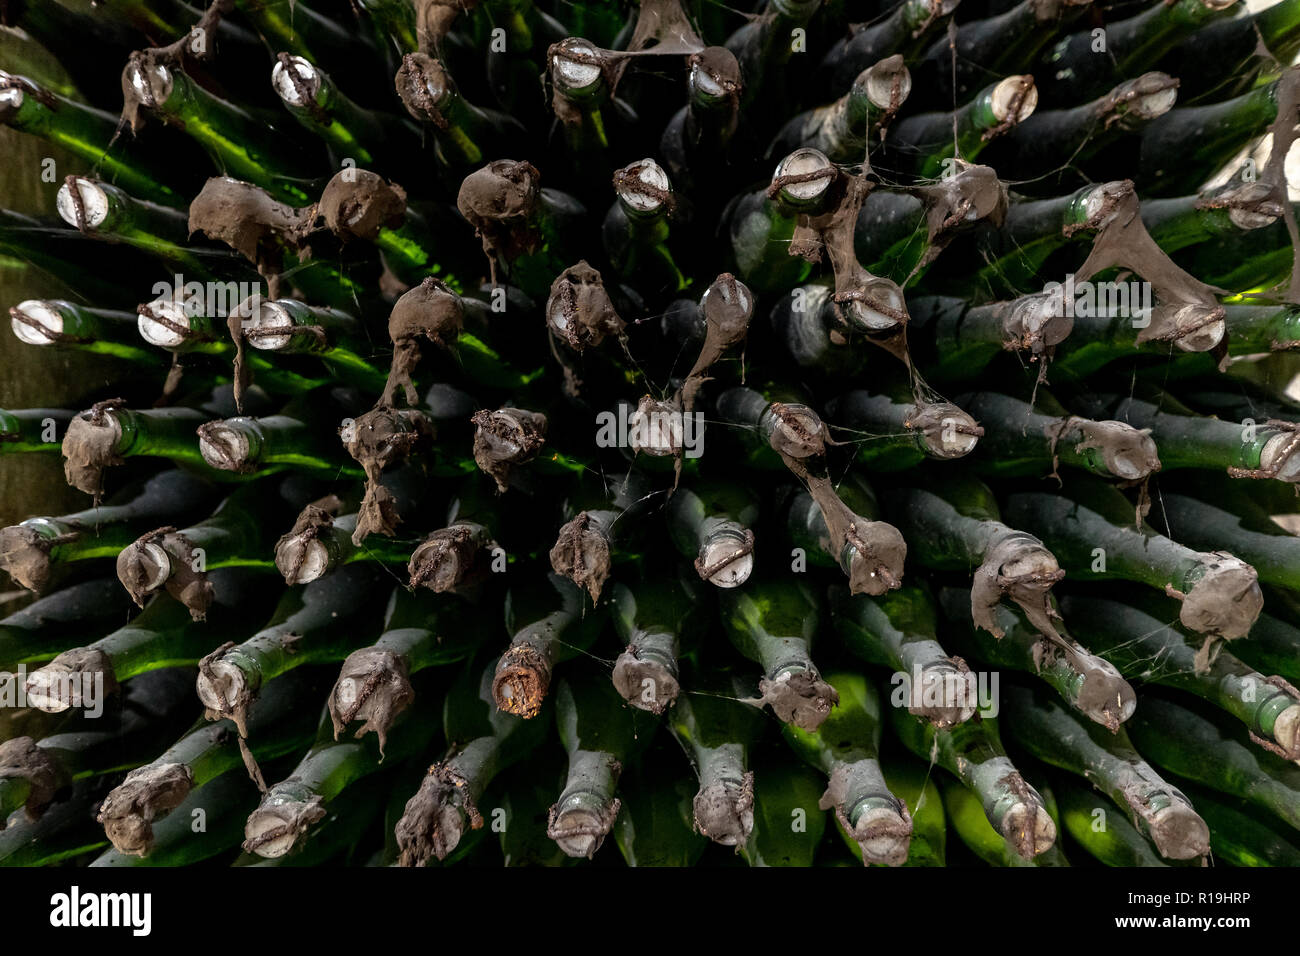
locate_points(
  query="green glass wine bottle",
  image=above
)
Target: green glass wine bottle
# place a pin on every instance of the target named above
(906, 29)
(952, 523)
(954, 68)
(1090, 526)
(1077, 133)
(1131, 45)
(1188, 738)
(926, 145)
(636, 232)
(1180, 146)
(1187, 440)
(374, 683)
(351, 132)
(973, 753)
(894, 432)
(846, 749)
(1108, 760)
(898, 630)
(772, 623)
(717, 732)
(466, 134)
(601, 735)
(486, 741)
(32, 429)
(108, 212)
(843, 129)
(548, 624)
(972, 827)
(1258, 45)
(58, 323)
(709, 522)
(1035, 439)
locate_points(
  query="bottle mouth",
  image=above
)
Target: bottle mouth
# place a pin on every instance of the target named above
(647, 173)
(731, 554)
(157, 333)
(1250, 206)
(1101, 204)
(1201, 327)
(1040, 320)
(1029, 828)
(1032, 562)
(948, 431)
(234, 687)
(302, 559)
(881, 79)
(705, 83)
(805, 162)
(1281, 458)
(152, 85)
(295, 81)
(570, 70)
(878, 306)
(1152, 95)
(266, 325)
(88, 209)
(11, 97)
(1131, 464)
(656, 428)
(223, 445)
(47, 319)
(581, 822)
(733, 294)
(1014, 99)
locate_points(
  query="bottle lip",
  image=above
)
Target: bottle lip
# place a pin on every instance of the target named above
(225, 446)
(1279, 457)
(878, 80)
(302, 92)
(721, 544)
(155, 332)
(11, 97)
(876, 305)
(805, 161)
(153, 86)
(92, 211)
(1012, 93)
(42, 311)
(572, 75)
(1199, 327)
(649, 173)
(267, 325)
